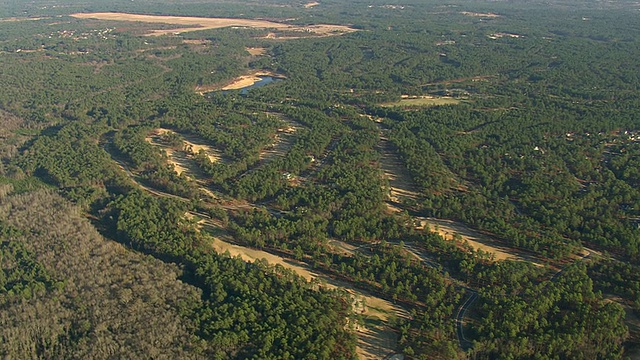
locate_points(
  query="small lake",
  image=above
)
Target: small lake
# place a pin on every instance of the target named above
(264, 80)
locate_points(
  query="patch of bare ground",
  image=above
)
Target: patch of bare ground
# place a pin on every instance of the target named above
(485, 15)
(400, 184)
(376, 339)
(460, 80)
(197, 41)
(15, 19)
(423, 100)
(247, 80)
(452, 230)
(283, 139)
(341, 247)
(311, 4)
(200, 23)
(182, 159)
(256, 51)
(235, 84)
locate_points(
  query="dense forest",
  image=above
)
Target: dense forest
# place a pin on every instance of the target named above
(469, 169)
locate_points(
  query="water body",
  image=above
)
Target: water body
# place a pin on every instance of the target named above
(264, 80)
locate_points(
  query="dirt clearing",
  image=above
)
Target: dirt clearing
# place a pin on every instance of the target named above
(201, 23)
(423, 101)
(376, 339)
(450, 230)
(248, 80)
(311, 4)
(400, 183)
(256, 51)
(182, 159)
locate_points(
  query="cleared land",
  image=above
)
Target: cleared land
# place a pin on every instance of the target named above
(256, 51)
(200, 23)
(401, 187)
(181, 159)
(423, 101)
(400, 184)
(240, 82)
(376, 340)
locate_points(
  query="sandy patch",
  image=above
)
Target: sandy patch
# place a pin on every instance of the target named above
(247, 80)
(311, 4)
(197, 41)
(200, 23)
(256, 51)
(475, 14)
(341, 247)
(238, 83)
(400, 183)
(450, 230)
(182, 160)
(426, 100)
(375, 339)
(14, 19)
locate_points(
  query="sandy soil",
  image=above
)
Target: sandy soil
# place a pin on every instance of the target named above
(256, 51)
(475, 14)
(14, 19)
(341, 247)
(400, 184)
(197, 41)
(181, 160)
(423, 101)
(479, 241)
(237, 83)
(311, 4)
(200, 23)
(375, 339)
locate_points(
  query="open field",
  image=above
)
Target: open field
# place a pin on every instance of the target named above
(423, 101)
(200, 23)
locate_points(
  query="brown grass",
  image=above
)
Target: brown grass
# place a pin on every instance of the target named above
(201, 23)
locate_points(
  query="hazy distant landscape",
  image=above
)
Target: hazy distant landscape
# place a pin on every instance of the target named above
(320, 180)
